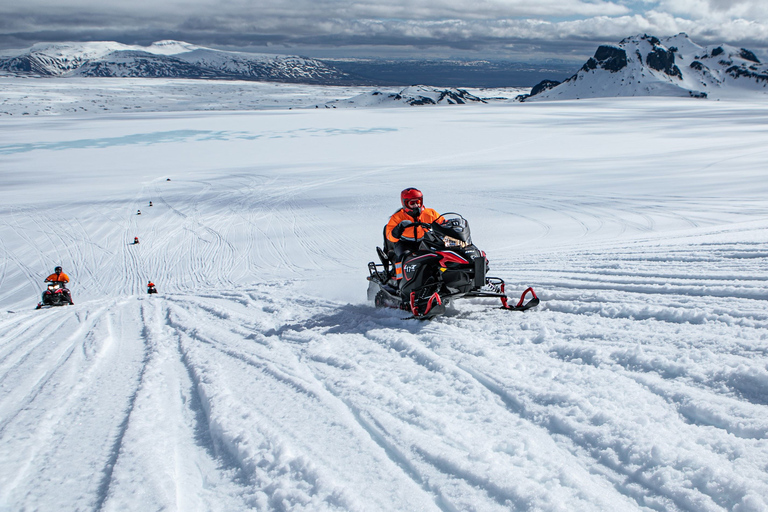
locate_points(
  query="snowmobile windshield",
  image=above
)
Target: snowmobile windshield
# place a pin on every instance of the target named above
(454, 231)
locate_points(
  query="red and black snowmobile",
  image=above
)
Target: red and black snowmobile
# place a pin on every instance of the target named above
(55, 295)
(445, 266)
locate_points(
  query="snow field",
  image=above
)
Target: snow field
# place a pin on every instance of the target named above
(88, 96)
(259, 378)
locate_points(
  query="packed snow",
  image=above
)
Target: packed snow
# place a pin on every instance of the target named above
(259, 378)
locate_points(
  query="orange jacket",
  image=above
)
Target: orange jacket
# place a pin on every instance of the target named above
(428, 215)
(56, 278)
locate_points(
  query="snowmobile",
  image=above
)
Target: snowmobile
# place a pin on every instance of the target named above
(55, 295)
(446, 266)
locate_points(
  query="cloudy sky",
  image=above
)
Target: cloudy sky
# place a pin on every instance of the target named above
(488, 29)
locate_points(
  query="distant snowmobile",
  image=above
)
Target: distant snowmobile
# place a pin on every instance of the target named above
(150, 203)
(138, 212)
(151, 288)
(446, 266)
(55, 295)
(135, 240)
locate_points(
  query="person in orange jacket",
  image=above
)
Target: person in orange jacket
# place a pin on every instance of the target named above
(151, 287)
(59, 276)
(401, 233)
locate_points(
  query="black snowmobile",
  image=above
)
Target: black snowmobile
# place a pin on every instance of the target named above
(55, 295)
(446, 266)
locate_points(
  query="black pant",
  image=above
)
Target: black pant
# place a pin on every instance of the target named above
(403, 248)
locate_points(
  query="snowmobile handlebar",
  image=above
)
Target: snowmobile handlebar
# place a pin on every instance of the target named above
(398, 230)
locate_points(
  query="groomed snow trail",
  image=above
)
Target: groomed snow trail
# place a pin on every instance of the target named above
(259, 379)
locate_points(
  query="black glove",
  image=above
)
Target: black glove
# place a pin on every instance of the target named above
(397, 231)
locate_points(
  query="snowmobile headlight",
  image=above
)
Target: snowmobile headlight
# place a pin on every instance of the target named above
(453, 242)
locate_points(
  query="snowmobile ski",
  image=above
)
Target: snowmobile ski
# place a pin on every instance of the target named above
(521, 304)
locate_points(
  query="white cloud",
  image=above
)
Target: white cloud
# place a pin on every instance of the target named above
(724, 10)
(396, 23)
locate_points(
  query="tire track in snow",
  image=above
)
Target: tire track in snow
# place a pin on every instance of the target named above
(419, 352)
(275, 374)
(58, 358)
(88, 379)
(632, 306)
(6, 257)
(64, 245)
(427, 467)
(33, 277)
(238, 457)
(107, 470)
(24, 339)
(395, 454)
(166, 416)
(629, 478)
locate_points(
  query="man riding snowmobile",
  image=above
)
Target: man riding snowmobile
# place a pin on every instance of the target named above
(403, 231)
(429, 260)
(58, 278)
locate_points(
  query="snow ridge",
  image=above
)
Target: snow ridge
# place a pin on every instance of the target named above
(415, 95)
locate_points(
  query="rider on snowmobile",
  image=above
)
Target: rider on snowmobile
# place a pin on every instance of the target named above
(57, 277)
(60, 277)
(402, 235)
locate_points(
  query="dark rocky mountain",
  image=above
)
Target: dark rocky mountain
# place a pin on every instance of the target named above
(673, 66)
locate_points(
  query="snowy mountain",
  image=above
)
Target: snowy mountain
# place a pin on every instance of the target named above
(410, 96)
(168, 59)
(673, 66)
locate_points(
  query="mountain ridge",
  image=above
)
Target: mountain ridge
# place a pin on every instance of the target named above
(166, 59)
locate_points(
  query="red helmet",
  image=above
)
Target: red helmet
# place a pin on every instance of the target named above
(413, 201)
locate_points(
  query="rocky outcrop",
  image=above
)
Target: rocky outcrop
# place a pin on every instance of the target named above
(748, 55)
(538, 88)
(663, 60)
(609, 58)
